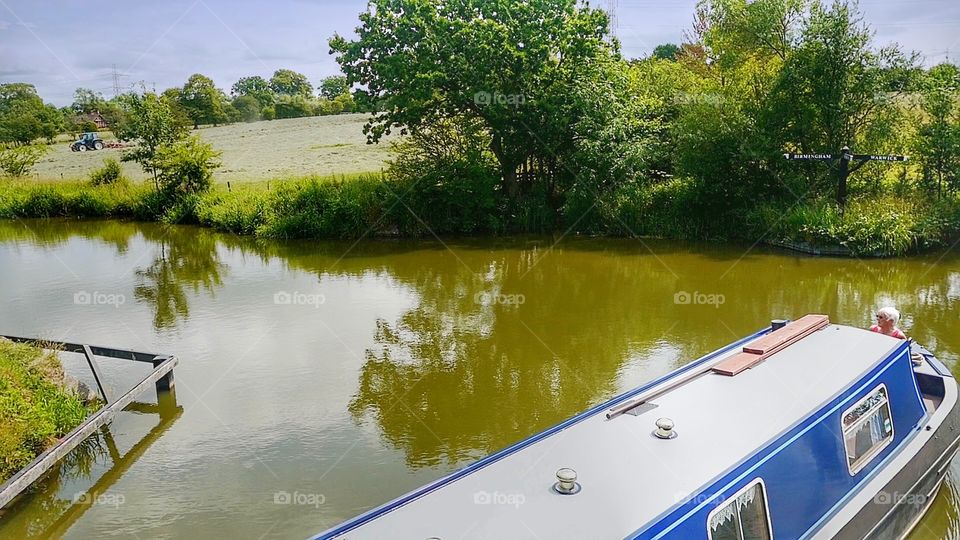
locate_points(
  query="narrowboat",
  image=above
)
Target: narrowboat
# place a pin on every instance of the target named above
(805, 429)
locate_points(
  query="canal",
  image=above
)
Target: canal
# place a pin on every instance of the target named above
(320, 379)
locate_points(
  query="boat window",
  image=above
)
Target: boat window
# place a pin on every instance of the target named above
(744, 516)
(867, 428)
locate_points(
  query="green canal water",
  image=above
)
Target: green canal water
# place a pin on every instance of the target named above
(320, 379)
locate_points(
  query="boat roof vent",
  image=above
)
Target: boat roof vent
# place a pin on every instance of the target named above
(770, 344)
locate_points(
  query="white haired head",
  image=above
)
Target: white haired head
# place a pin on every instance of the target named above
(888, 313)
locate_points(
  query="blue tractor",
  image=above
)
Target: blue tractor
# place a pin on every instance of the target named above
(87, 141)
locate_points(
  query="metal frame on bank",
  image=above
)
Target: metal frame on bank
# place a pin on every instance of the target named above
(161, 378)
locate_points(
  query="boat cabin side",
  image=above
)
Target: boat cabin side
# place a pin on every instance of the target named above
(794, 484)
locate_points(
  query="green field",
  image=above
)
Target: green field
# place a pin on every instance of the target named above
(320, 145)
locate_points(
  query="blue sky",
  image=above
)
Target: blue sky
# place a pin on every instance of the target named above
(59, 45)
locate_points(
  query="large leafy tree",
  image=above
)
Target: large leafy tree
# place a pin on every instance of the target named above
(736, 51)
(509, 65)
(286, 82)
(836, 90)
(149, 121)
(203, 101)
(256, 87)
(334, 87)
(24, 116)
(86, 100)
(938, 136)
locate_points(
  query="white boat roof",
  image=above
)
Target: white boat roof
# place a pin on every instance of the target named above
(629, 477)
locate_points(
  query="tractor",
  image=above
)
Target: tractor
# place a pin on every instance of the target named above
(87, 141)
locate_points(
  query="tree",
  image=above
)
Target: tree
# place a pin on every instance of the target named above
(509, 65)
(86, 101)
(256, 87)
(334, 87)
(832, 90)
(294, 107)
(24, 117)
(203, 101)
(287, 82)
(186, 166)
(938, 136)
(666, 51)
(248, 108)
(150, 122)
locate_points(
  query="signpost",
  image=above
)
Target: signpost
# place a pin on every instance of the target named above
(844, 170)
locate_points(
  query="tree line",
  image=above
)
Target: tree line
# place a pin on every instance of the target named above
(25, 117)
(537, 99)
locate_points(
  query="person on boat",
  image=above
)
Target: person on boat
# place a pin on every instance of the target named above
(887, 319)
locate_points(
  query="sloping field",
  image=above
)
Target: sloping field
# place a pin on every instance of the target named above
(321, 145)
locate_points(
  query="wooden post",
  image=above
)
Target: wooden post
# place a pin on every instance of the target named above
(165, 383)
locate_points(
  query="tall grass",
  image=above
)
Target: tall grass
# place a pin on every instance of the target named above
(880, 226)
(35, 408)
(371, 205)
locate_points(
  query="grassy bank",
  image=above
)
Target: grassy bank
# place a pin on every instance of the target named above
(35, 408)
(371, 204)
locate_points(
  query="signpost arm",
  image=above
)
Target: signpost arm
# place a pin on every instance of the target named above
(856, 167)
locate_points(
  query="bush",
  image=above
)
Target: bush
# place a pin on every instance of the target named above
(659, 209)
(88, 126)
(186, 167)
(880, 226)
(17, 161)
(110, 173)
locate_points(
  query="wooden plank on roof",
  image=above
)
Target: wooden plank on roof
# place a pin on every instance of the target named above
(772, 343)
(786, 334)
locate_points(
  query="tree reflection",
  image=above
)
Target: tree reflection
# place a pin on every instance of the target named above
(488, 358)
(185, 259)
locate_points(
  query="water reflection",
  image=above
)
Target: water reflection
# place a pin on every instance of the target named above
(438, 356)
(487, 357)
(185, 258)
(58, 496)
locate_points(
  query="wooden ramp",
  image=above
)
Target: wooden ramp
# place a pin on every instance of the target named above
(161, 378)
(770, 344)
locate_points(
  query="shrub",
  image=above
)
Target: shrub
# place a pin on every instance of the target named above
(88, 126)
(186, 167)
(17, 161)
(873, 226)
(110, 173)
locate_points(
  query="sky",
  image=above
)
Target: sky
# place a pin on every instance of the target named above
(59, 45)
